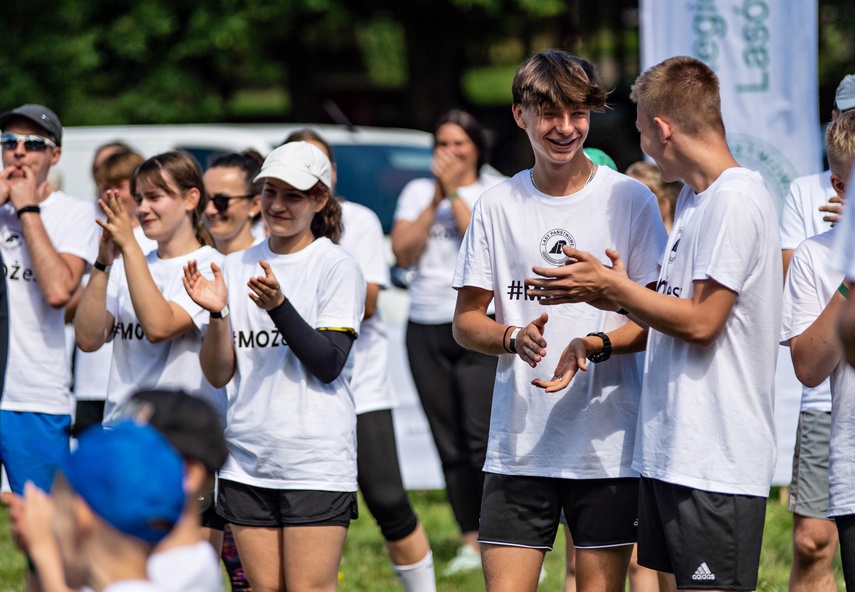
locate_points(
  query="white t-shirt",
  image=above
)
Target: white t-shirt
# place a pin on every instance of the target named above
(363, 240)
(800, 216)
(431, 298)
(174, 364)
(38, 373)
(844, 249)
(189, 568)
(706, 416)
(588, 430)
(801, 219)
(286, 429)
(92, 369)
(807, 291)
(811, 283)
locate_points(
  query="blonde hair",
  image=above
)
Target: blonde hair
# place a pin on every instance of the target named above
(556, 78)
(649, 174)
(684, 90)
(840, 144)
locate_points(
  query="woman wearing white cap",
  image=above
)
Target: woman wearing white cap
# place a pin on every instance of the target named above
(289, 484)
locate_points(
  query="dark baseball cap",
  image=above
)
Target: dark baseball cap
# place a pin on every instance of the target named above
(38, 114)
(190, 424)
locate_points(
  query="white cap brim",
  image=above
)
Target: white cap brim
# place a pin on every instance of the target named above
(297, 178)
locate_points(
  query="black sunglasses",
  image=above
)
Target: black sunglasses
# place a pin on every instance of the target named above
(221, 202)
(32, 142)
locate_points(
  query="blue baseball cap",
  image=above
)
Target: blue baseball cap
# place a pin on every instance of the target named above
(131, 478)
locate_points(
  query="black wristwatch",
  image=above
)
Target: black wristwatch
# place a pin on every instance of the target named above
(606, 353)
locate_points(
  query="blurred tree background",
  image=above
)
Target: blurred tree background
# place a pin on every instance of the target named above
(378, 62)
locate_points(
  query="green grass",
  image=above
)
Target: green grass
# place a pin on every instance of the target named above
(366, 565)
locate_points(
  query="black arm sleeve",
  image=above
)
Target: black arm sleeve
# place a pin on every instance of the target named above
(323, 353)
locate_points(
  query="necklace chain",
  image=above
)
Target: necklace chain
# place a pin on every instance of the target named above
(590, 176)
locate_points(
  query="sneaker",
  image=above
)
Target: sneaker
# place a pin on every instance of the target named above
(467, 559)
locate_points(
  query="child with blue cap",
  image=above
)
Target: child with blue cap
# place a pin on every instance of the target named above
(107, 509)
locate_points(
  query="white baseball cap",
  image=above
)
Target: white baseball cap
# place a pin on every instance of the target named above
(844, 98)
(299, 164)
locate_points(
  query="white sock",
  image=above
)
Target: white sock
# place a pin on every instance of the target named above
(418, 577)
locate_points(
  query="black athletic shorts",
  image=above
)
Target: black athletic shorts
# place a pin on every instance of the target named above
(247, 505)
(707, 540)
(524, 511)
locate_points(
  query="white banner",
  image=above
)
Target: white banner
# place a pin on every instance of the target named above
(765, 55)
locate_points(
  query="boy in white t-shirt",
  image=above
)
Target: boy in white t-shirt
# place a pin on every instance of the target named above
(813, 298)
(812, 207)
(548, 452)
(705, 445)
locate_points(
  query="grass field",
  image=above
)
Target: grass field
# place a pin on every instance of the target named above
(365, 567)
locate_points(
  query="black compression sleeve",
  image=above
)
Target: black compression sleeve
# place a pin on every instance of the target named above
(323, 353)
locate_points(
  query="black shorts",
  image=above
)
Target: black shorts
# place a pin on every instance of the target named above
(524, 511)
(247, 505)
(707, 540)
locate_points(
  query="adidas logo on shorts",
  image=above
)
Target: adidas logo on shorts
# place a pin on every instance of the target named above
(703, 573)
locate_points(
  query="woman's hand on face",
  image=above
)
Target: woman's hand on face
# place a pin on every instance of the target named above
(448, 170)
(117, 223)
(212, 295)
(266, 292)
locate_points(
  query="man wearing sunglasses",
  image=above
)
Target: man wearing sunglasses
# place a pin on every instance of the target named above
(47, 239)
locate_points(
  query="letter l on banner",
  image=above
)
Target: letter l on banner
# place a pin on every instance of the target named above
(765, 55)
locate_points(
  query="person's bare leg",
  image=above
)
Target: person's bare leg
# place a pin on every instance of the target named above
(215, 537)
(570, 570)
(511, 569)
(409, 550)
(470, 538)
(642, 579)
(311, 557)
(814, 546)
(602, 570)
(260, 552)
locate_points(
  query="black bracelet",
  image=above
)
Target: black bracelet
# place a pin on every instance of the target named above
(25, 209)
(606, 352)
(505, 336)
(623, 311)
(101, 267)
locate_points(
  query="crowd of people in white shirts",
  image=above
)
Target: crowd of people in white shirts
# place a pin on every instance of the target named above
(228, 338)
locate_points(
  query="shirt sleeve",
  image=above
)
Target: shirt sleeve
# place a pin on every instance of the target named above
(730, 240)
(648, 243)
(342, 302)
(801, 303)
(793, 218)
(414, 198)
(365, 242)
(474, 266)
(80, 232)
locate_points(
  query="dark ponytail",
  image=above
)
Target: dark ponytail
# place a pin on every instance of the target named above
(328, 221)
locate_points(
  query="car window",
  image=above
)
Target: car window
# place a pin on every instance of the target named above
(373, 175)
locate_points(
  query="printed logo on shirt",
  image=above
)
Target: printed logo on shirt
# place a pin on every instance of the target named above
(251, 339)
(11, 240)
(553, 243)
(703, 573)
(443, 232)
(15, 272)
(128, 331)
(673, 253)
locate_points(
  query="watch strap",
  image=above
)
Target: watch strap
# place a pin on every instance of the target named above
(222, 314)
(606, 352)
